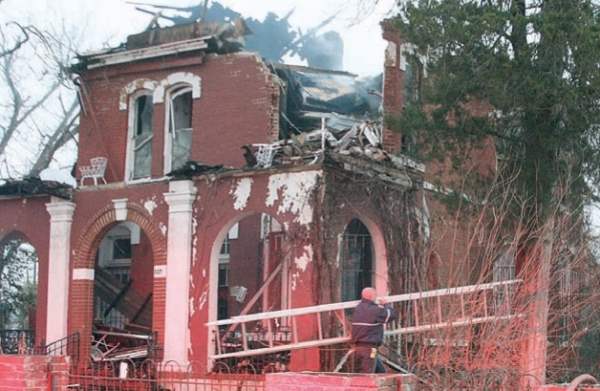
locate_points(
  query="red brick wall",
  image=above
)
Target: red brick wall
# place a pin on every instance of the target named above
(393, 87)
(33, 373)
(142, 266)
(245, 266)
(566, 388)
(338, 382)
(238, 105)
(29, 219)
(214, 214)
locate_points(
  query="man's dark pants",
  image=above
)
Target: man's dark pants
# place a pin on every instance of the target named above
(365, 361)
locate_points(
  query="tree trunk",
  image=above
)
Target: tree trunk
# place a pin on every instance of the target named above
(536, 272)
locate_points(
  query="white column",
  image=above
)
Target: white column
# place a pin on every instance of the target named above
(180, 199)
(61, 217)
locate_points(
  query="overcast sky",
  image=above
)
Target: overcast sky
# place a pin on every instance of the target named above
(112, 20)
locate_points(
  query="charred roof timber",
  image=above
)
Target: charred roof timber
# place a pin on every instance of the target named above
(312, 93)
(30, 187)
(273, 37)
(159, 42)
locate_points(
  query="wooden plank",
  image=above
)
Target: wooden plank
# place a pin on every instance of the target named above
(338, 340)
(351, 304)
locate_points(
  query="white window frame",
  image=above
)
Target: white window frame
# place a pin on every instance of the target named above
(179, 89)
(130, 153)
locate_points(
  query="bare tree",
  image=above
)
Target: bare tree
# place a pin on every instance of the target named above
(489, 356)
(36, 122)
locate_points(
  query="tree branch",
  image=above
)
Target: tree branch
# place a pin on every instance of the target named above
(19, 43)
(63, 132)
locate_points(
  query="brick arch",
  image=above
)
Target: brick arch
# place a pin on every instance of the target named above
(215, 247)
(379, 261)
(104, 220)
(81, 295)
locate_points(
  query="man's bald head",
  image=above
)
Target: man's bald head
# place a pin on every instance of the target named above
(369, 293)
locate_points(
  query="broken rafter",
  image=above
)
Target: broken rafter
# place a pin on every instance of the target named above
(105, 59)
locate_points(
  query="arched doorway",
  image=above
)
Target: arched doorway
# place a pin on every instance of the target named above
(356, 260)
(123, 287)
(249, 274)
(249, 253)
(18, 293)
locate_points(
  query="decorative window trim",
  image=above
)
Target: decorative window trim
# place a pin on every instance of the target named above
(133, 87)
(178, 78)
(174, 92)
(129, 153)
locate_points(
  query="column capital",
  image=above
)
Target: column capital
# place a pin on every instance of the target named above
(181, 196)
(60, 210)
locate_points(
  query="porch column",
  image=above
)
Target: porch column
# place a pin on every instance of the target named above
(61, 217)
(180, 199)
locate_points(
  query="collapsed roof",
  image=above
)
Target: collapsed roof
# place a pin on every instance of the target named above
(323, 112)
(310, 94)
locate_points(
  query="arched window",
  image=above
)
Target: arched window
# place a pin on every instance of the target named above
(179, 128)
(356, 260)
(18, 294)
(139, 159)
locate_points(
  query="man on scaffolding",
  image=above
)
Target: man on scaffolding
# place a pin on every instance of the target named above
(367, 331)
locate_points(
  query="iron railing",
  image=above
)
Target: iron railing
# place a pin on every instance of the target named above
(67, 346)
(23, 342)
(151, 375)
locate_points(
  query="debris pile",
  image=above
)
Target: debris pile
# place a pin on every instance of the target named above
(114, 346)
(340, 134)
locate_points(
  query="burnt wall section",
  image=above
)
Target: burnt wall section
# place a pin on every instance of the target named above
(289, 196)
(389, 212)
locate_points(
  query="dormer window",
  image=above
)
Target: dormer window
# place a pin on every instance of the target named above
(140, 137)
(179, 129)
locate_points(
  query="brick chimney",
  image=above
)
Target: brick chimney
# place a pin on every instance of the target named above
(393, 82)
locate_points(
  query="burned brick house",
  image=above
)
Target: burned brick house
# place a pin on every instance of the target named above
(213, 184)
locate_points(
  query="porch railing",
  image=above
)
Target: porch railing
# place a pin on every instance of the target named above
(152, 375)
(23, 342)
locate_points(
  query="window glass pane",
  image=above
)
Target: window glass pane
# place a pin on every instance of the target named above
(223, 275)
(142, 139)
(182, 111)
(357, 260)
(122, 248)
(225, 247)
(142, 158)
(143, 106)
(181, 148)
(180, 128)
